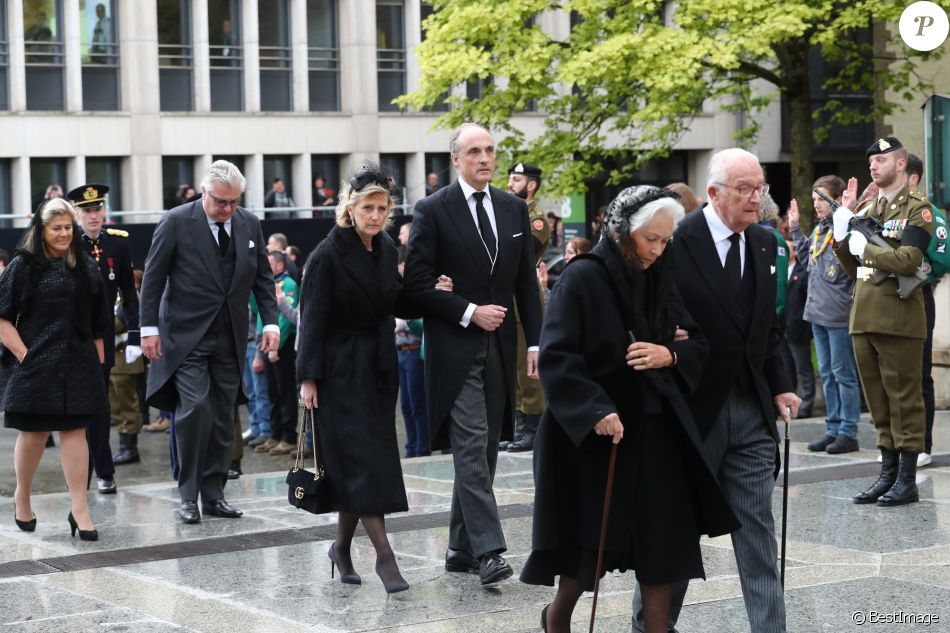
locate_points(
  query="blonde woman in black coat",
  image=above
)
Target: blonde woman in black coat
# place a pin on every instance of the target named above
(347, 368)
(53, 315)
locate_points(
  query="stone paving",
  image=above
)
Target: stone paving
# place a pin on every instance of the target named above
(845, 562)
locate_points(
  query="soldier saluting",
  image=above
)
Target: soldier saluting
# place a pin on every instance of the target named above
(889, 332)
(110, 249)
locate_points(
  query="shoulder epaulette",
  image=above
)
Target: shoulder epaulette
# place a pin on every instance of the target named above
(117, 232)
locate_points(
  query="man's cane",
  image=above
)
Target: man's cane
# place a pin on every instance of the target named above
(785, 496)
(603, 532)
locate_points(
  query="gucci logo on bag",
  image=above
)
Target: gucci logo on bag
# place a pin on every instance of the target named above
(298, 492)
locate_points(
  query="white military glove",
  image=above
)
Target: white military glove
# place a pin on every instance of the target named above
(841, 219)
(856, 244)
(132, 353)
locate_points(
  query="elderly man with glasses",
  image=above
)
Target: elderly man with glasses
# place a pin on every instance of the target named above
(725, 271)
(206, 258)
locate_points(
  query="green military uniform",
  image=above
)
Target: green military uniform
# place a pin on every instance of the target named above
(530, 398)
(889, 332)
(123, 388)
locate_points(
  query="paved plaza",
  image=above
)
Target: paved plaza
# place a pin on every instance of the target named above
(269, 572)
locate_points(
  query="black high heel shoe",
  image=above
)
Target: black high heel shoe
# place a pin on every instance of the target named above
(396, 583)
(84, 535)
(347, 576)
(26, 526)
(544, 618)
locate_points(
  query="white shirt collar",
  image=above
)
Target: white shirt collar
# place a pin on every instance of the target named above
(717, 227)
(468, 190)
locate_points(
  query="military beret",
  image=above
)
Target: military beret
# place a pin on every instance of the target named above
(91, 195)
(883, 146)
(526, 169)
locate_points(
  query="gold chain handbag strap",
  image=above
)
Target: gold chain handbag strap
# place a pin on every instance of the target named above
(305, 412)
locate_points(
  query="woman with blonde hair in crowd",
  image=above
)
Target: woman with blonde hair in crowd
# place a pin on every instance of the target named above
(346, 366)
(53, 315)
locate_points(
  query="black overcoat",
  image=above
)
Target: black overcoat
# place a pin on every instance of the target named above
(60, 374)
(444, 240)
(346, 345)
(585, 377)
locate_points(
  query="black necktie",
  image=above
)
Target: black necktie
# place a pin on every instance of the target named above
(733, 263)
(484, 226)
(223, 239)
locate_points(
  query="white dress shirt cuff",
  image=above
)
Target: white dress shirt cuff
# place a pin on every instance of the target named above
(467, 317)
(148, 330)
(534, 348)
(272, 328)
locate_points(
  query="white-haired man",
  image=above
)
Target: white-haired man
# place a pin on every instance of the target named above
(725, 271)
(206, 257)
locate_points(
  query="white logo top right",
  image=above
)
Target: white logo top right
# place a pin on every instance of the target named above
(924, 26)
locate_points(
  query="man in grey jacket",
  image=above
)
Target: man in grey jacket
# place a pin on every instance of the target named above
(206, 258)
(830, 290)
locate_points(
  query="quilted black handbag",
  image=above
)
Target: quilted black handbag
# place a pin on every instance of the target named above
(307, 490)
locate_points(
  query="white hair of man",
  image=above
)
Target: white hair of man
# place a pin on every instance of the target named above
(666, 205)
(718, 165)
(224, 173)
(454, 141)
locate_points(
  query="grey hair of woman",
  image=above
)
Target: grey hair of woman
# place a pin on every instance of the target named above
(32, 240)
(769, 211)
(635, 206)
(221, 172)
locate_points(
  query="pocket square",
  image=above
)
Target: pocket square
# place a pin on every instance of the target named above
(517, 235)
(251, 244)
(773, 269)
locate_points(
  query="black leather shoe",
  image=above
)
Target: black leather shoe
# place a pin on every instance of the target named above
(842, 444)
(221, 508)
(106, 486)
(904, 490)
(458, 560)
(493, 568)
(820, 445)
(503, 445)
(234, 470)
(884, 481)
(188, 512)
(526, 443)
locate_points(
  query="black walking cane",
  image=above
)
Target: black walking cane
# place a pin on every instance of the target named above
(603, 532)
(785, 497)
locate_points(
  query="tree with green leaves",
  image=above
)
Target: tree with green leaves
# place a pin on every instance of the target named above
(631, 76)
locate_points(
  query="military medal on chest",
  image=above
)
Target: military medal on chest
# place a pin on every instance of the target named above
(110, 261)
(96, 251)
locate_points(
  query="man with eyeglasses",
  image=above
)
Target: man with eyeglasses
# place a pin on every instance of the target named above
(206, 258)
(889, 332)
(726, 274)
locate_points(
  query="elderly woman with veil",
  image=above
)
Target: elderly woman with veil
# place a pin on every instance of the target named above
(618, 354)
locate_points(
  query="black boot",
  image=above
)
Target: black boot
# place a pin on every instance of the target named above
(128, 452)
(884, 481)
(526, 443)
(904, 491)
(519, 430)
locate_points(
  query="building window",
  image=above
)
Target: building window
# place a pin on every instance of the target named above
(107, 171)
(4, 60)
(44, 174)
(6, 192)
(441, 166)
(100, 54)
(425, 10)
(175, 60)
(323, 56)
(325, 179)
(273, 19)
(45, 60)
(277, 195)
(177, 175)
(390, 53)
(227, 55)
(395, 164)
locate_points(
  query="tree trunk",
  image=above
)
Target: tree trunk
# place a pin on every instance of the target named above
(801, 130)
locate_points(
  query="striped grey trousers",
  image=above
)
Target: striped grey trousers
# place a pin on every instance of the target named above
(474, 429)
(741, 452)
